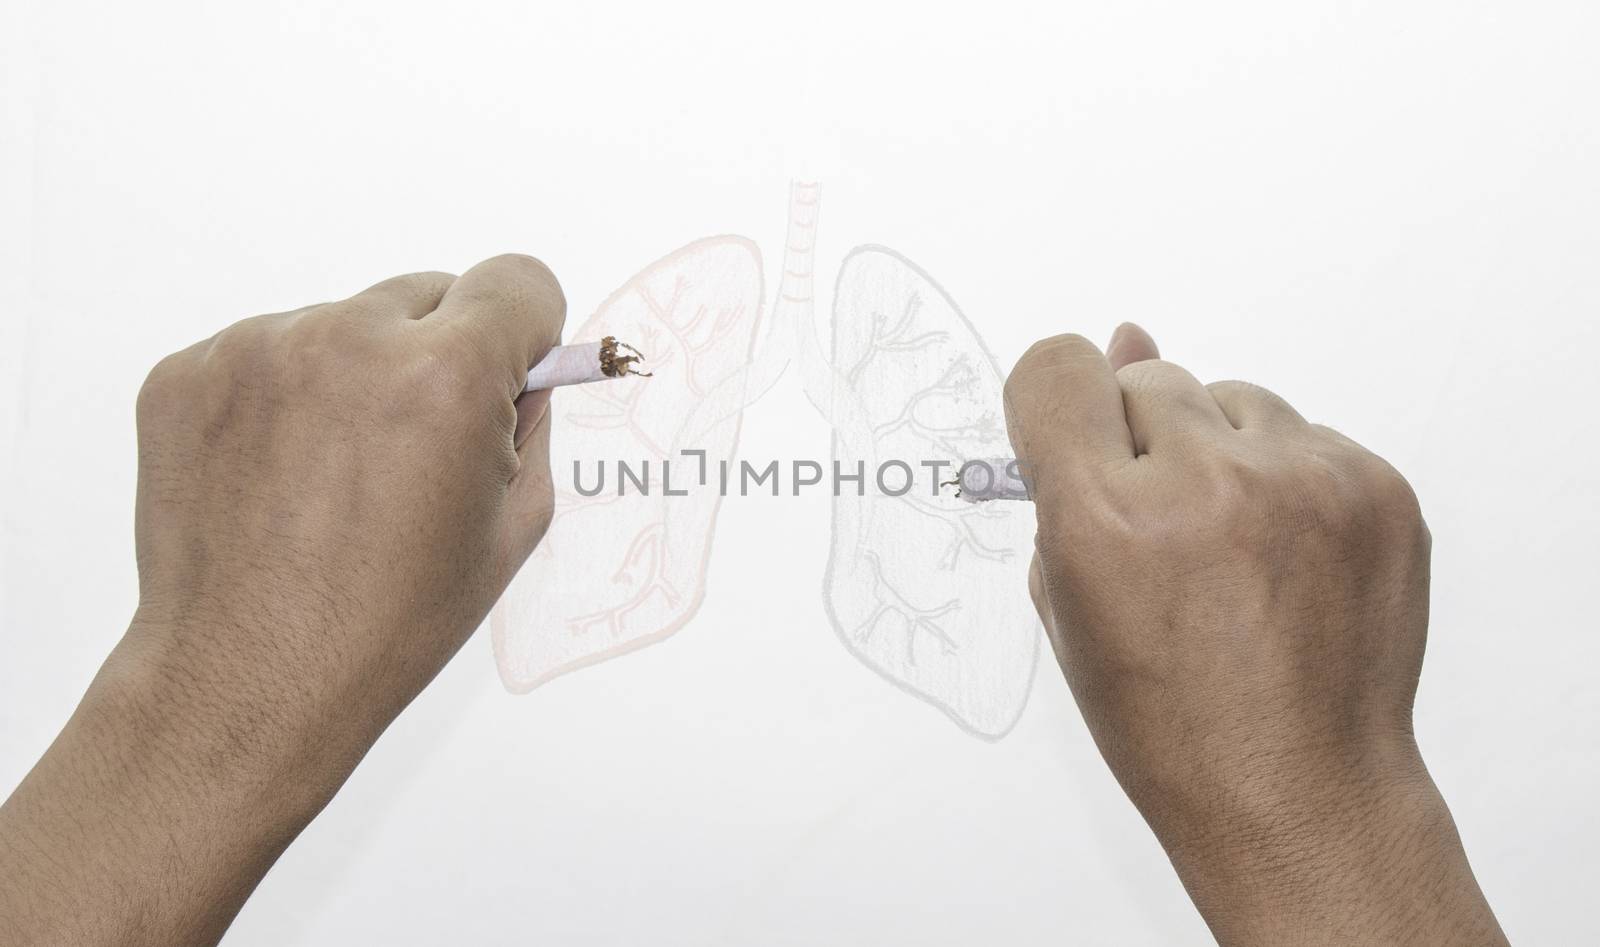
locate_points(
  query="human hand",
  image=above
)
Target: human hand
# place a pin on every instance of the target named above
(1239, 602)
(329, 502)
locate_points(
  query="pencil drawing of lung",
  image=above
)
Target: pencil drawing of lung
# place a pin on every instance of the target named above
(616, 573)
(923, 588)
(926, 590)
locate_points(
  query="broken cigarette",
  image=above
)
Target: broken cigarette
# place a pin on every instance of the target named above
(584, 362)
(999, 478)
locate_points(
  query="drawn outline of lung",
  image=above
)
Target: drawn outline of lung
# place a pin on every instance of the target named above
(923, 589)
(602, 583)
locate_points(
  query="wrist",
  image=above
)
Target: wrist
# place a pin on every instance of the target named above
(223, 724)
(148, 781)
(1372, 860)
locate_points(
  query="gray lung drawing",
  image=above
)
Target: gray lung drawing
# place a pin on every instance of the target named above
(925, 589)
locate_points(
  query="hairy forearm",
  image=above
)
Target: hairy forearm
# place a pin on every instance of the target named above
(1379, 863)
(154, 814)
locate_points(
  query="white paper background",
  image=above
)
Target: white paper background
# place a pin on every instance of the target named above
(1387, 212)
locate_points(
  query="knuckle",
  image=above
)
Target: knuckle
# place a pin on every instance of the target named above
(1227, 505)
(316, 349)
(1424, 536)
(1226, 502)
(1239, 392)
(164, 387)
(1050, 352)
(1329, 435)
(403, 292)
(529, 267)
(1390, 490)
(512, 285)
(1247, 401)
(431, 281)
(1239, 386)
(530, 277)
(1341, 510)
(239, 346)
(367, 306)
(1045, 358)
(1150, 373)
(1332, 502)
(1140, 373)
(1317, 495)
(243, 354)
(1367, 475)
(332, 333)
(1354, 499)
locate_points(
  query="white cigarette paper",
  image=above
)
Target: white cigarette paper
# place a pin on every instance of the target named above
(584, 362)
(998, 478)
(567, 365)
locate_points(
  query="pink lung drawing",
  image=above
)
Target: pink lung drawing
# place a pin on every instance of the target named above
(617, 573)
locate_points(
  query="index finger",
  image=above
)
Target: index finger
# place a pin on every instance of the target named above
(1064, 414)
(513, 308)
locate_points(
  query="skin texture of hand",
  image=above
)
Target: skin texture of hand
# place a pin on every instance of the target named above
(1239, 601)
(330, 501)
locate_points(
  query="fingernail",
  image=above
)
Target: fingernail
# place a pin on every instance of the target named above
(531, 409)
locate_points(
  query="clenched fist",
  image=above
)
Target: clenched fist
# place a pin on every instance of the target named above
(1239, 600)
(329, 502)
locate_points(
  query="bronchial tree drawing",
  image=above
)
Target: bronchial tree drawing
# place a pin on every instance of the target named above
(616, 573)
(927, 590)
